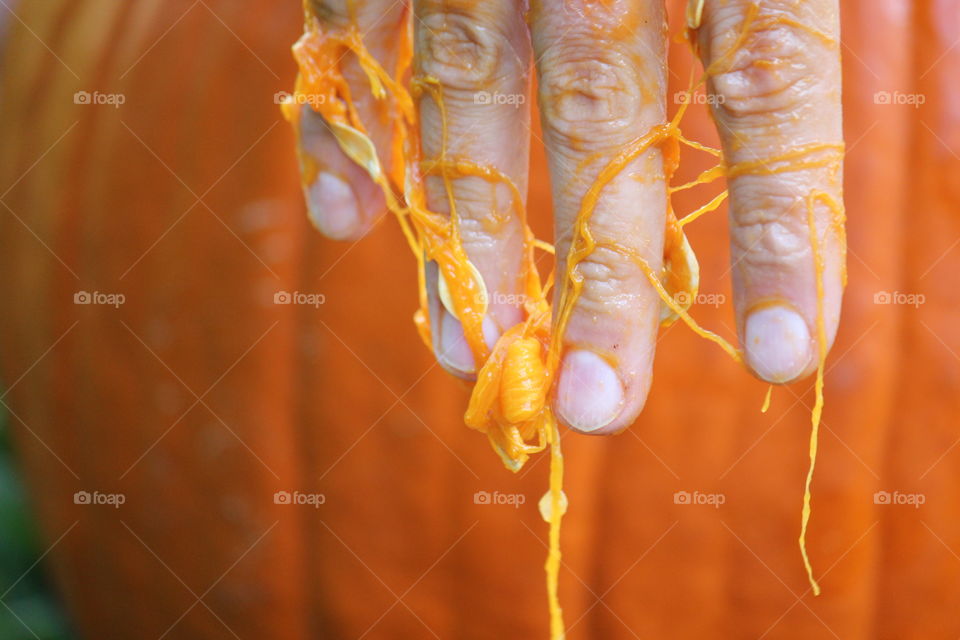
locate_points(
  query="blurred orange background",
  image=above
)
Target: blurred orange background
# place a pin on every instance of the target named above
(144, 157)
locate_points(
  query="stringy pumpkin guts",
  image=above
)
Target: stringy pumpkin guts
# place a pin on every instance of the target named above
(509, 401)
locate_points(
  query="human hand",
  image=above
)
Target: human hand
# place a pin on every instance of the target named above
(774, 67)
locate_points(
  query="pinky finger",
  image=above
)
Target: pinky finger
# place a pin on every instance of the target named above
(342, 200)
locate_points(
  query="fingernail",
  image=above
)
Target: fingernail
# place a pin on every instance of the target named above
(332, 206)
(454, 351)
(777, 343)
(589, 392)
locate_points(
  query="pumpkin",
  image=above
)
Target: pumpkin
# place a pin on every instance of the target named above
(199, 398)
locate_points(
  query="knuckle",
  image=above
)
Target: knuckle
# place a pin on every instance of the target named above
(587, 97)
(378, 24)
(772, 233)
(475, 234)
(329, 11)
(461, 50)
(611, 283)
(341, 13)
(773, 72)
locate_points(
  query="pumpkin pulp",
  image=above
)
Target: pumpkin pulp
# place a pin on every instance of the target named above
(510, 399)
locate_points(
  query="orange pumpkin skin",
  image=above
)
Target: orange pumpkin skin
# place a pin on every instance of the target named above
(343, 400)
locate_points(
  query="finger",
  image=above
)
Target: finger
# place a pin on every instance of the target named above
(602, 86)
(473, 62)
(342, 200)
(775, 69)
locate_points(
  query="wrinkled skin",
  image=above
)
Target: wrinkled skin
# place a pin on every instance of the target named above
(316, 399)
(601, 82)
